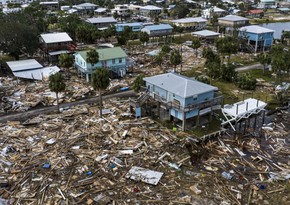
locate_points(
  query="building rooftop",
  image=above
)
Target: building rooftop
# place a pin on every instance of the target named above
(101, 20)
(215, 9)
(55, 37)
(130, 24)
(189, 20)
(48, 2)
(86, 5)
(158, 27)
(233, 18)
(255, 11)
(150, 7)
(106, 53)
(205, 33)
(21, 65)
(256, 29)
(180, 85)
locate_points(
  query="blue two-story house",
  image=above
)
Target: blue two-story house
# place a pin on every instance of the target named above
(185, 99)
(259, 38)
(135, 27)
(115, 59)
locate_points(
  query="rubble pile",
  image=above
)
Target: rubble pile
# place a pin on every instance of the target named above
(76, 157)
(23, 95)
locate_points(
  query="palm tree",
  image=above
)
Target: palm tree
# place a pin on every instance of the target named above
(92, 58)
(175, 58)
(138, 83)
(66, 60)
(56, 84)
(264, 59)
(144, 37)
(227, 46)
(100, 81)
(195, 44)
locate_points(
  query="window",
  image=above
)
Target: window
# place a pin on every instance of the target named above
(120, 60)
(113, 61)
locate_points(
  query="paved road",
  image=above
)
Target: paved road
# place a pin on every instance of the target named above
(45, 110)
(249, 67)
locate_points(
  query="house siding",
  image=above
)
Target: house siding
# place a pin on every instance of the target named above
(170, 97)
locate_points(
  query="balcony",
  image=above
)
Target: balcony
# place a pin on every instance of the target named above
(217, 100)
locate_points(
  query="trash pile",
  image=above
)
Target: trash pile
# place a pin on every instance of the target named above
(76, 157)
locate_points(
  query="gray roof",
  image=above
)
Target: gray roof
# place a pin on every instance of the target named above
(150, 7)
(233, 18)
(180, 85)
(22, 65)
(101, 20)
(205, 33)
(87, 5)
(55, 37)
(256, 29)
(189, 20)
(157, 27)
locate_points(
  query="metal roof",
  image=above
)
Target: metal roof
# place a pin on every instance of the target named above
(86, 5)
(101, 20)
(205, 33)
(48, 2)
(256, 29)
(150, 7)
(22, 65)
(106, 53)
(130, 24)
(180, 85)
(38, 74)
(189, 20)
(158, 27)
(233, 18)
(100, 10)
(55, 37)
(215, 9)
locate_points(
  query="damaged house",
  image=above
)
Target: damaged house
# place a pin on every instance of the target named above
(181, 98)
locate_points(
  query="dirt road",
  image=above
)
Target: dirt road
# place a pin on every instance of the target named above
(28, 114)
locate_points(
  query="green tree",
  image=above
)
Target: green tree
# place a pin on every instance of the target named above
(86, 33)
(66, 60)
(264, 59)
(56, 84)
(70, 24)
(165, 48)
(212, 63)
(18, 34)
(280, 60)
(196, 44)
(100, 82)
(144, 37)
(92, 58)
(138, 83)
(181, 10)
(246, 82)
(227, 46)
(175, 58)
(228, 73)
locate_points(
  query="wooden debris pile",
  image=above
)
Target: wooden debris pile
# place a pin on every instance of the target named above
(75, 157)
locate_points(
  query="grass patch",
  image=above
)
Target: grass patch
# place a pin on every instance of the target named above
(134, 43)
(244, 61)
(258, 73)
